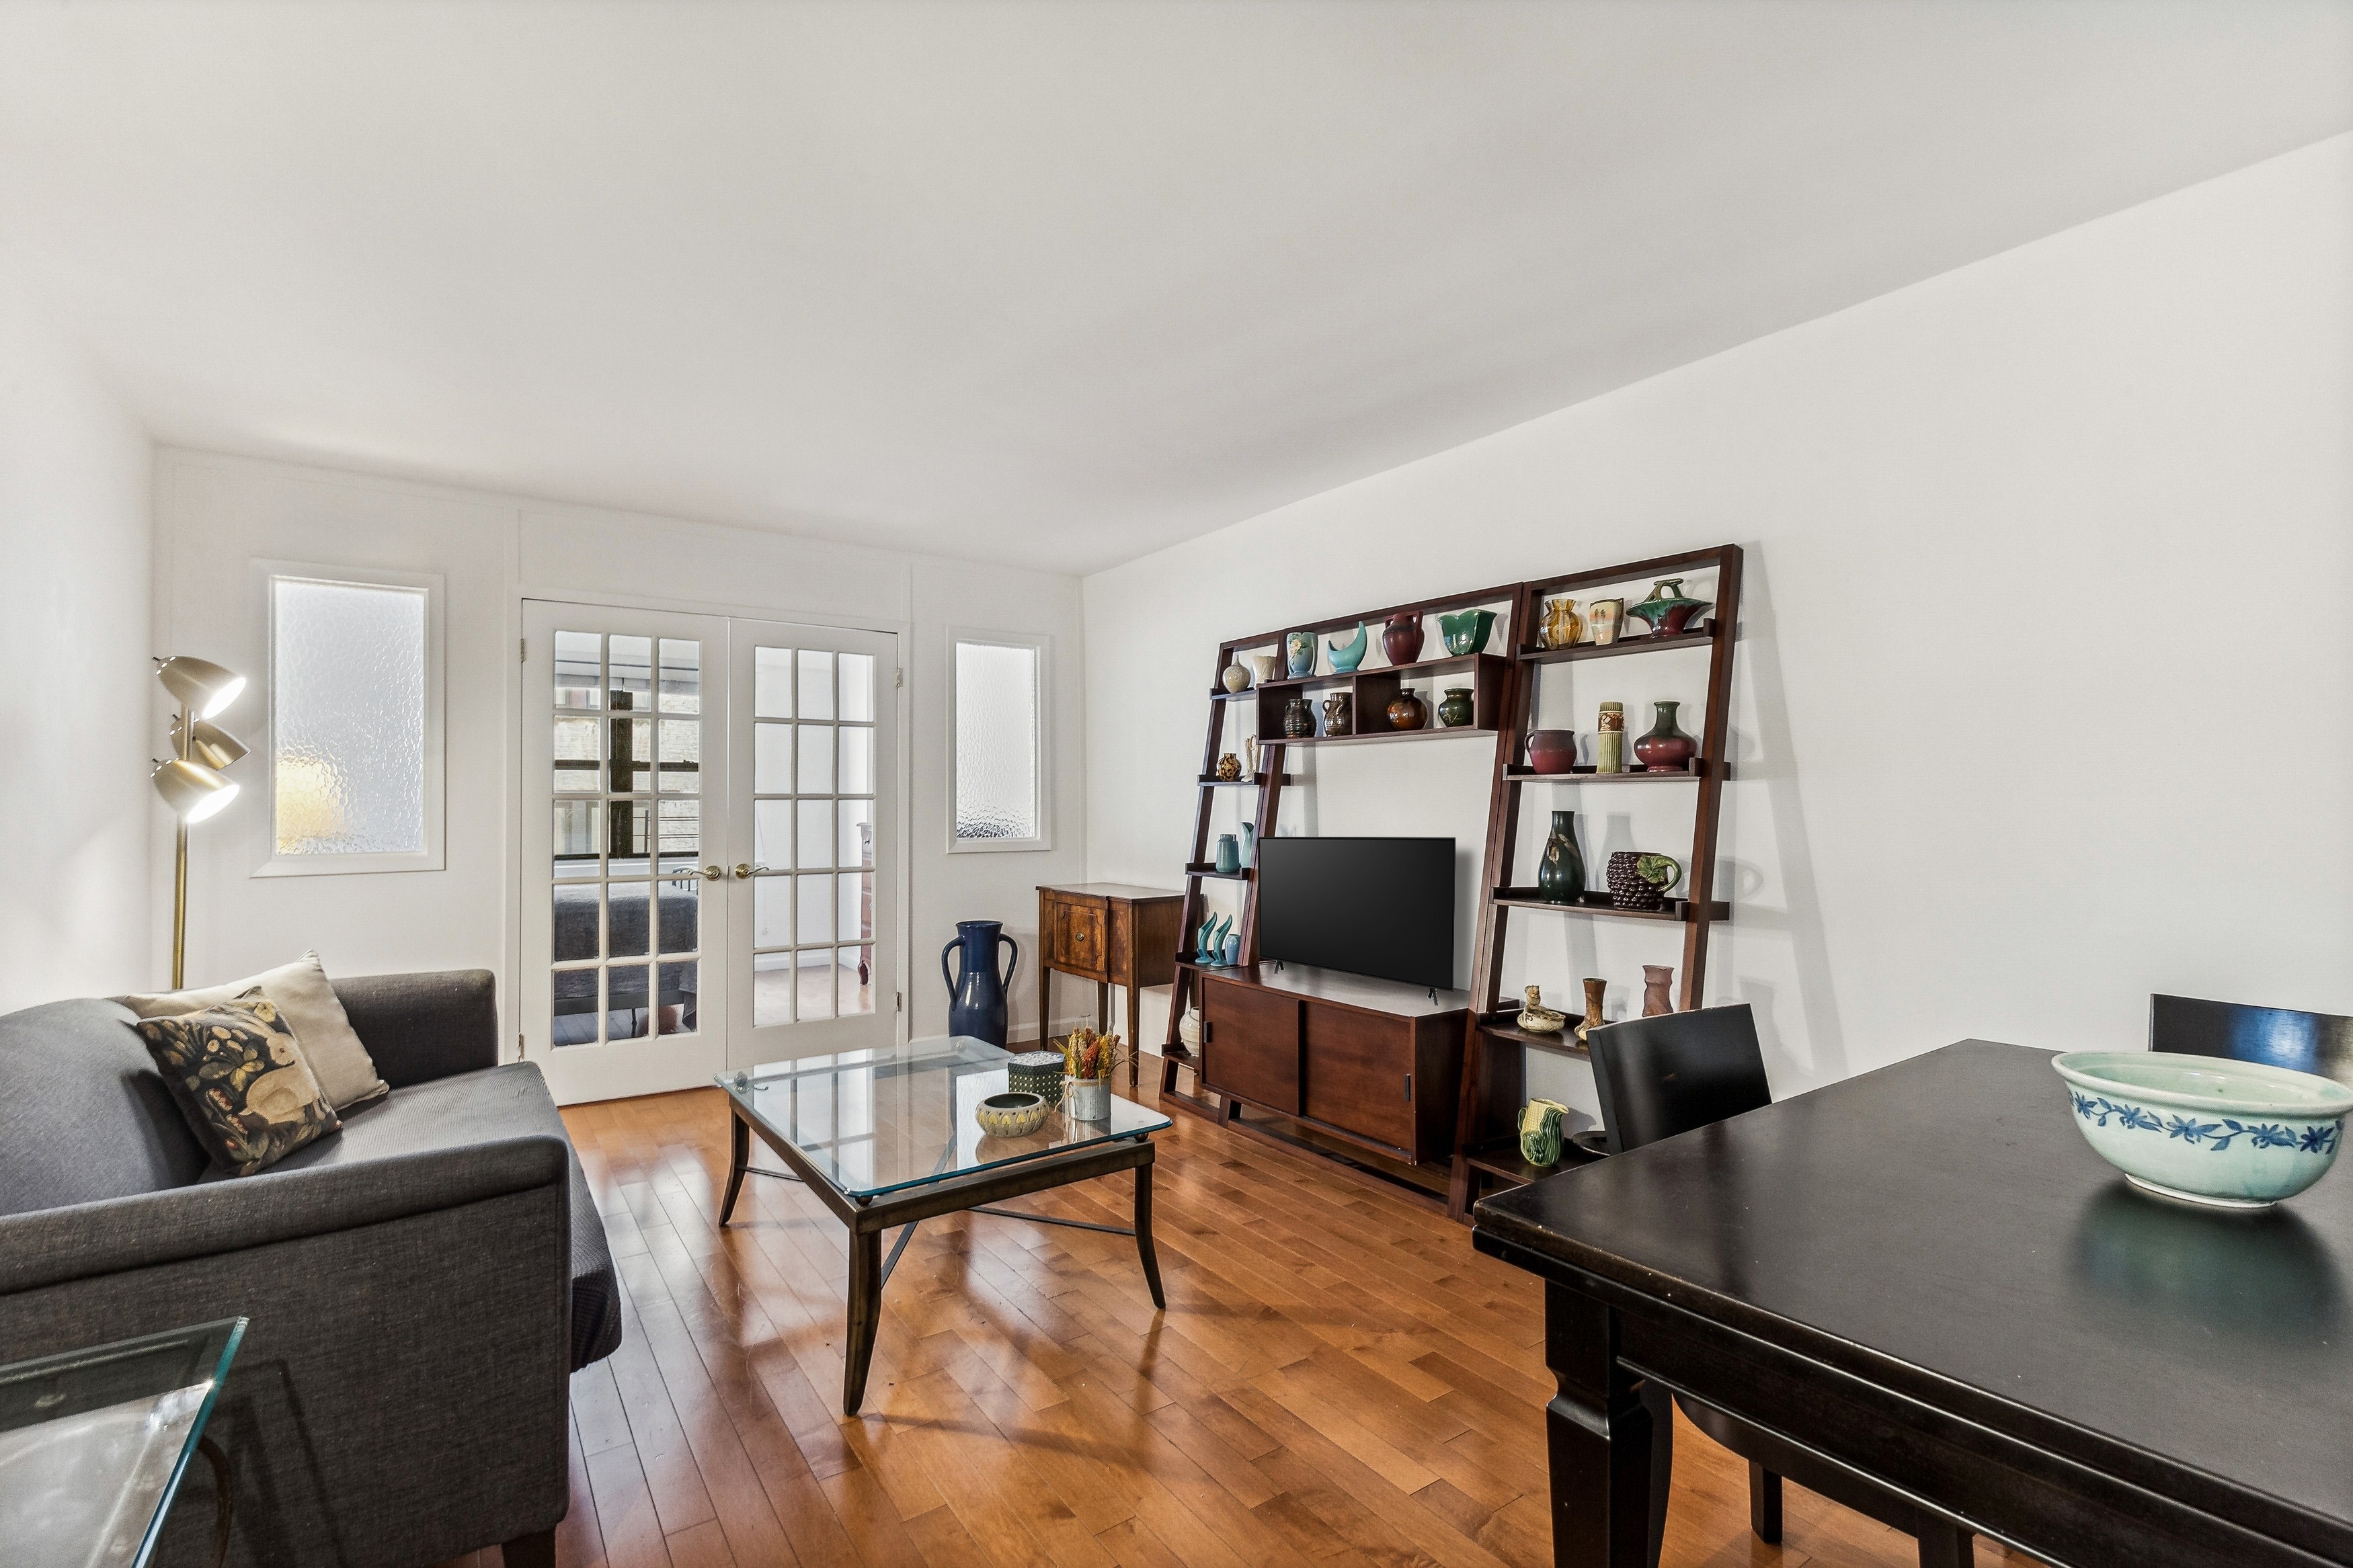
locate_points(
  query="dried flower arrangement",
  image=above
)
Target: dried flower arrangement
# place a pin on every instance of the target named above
(1087, 1055)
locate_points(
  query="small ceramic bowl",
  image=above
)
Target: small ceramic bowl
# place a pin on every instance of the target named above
(1012, 1115)
(2207, 1128)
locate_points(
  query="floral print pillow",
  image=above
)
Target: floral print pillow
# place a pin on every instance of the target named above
(239, 1078)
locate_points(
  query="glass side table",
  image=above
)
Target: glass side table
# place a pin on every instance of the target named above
(93, 1444)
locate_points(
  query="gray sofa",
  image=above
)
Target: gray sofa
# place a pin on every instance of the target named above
(420, 1285)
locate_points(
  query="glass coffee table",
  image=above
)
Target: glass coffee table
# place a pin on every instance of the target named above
(93, 1444)
(887, 1138)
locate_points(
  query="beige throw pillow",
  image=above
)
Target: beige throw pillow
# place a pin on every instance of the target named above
(345, 1071)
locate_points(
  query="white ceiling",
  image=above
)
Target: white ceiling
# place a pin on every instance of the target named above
(1056, 283)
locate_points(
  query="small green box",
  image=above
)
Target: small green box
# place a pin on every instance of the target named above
(1036, 1072)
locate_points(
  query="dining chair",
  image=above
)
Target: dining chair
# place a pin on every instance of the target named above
(1676, 1073)
(2309, 1042)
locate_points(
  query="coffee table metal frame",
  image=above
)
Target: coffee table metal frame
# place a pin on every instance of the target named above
(869, 1216)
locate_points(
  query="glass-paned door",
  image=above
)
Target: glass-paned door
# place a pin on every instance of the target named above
(814, 964)
(624, 933)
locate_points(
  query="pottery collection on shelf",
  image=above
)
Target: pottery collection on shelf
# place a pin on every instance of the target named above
(1609, 738)
(1640, 881)
(1407, 710)
(1562, 624)
(1540, 1132)
(1666, 611)
(1340, 714)
(1466, 631)
(1551, 750)
(1299, 649)
(1210, 942)
(1595, 990)
(1560, 869)
(1666, 750)
(1658, 982)
(1455, 711)
(1535, 1018)
(1401, 638)
(1347, 656)
(1235, 678)
(1298, 720)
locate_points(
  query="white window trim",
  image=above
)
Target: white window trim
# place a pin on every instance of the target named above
(268, 862)
(1043, 646)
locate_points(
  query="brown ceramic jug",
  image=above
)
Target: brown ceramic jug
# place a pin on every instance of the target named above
(1401, 640)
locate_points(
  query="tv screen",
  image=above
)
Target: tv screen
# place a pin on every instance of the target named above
(1382, 906)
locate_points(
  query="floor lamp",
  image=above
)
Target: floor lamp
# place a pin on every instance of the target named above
(190, 781)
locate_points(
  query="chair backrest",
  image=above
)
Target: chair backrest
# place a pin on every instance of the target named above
(1661, 1076)
(2309, 1042)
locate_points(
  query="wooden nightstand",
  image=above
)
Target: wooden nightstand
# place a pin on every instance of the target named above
(1113, 934)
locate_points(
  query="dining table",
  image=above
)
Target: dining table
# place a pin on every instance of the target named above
(1923, 1278)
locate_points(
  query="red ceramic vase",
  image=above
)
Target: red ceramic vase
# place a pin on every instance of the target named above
(1551, 750)
(1666, 748)
(1401, 638)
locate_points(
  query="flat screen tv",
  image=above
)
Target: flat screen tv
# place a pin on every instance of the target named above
(1383, 907)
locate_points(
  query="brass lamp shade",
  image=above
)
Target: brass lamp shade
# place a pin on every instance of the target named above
(192, 790)
(204, 687)
(210, 744)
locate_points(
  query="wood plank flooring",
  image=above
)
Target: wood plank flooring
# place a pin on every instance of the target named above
(1338, 1380)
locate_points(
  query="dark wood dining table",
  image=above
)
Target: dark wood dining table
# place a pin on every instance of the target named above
(1925, 1278)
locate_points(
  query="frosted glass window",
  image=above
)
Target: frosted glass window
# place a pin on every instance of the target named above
(347, 718)
(996, 744)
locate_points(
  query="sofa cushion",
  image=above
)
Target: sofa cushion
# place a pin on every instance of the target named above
(310, 1008)
(84, 1115)
(240, 1079)
(473, 1108)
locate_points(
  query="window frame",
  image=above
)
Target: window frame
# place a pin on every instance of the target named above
(1042, 647)
(267, 575)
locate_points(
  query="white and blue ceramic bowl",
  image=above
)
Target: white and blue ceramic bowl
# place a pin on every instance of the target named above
(2207, 1128)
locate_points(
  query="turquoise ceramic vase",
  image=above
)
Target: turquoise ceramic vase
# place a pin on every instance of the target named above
(1347, 656)
(1299, 649)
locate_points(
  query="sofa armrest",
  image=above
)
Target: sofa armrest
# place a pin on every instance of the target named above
(419, 1028)
(47, 1246)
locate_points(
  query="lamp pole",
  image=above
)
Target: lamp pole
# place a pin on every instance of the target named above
(180, 872)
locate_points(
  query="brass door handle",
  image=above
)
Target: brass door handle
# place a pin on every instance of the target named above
(743, 869)
(712, 873)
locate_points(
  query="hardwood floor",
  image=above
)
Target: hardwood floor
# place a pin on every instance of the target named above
(1339, 1380)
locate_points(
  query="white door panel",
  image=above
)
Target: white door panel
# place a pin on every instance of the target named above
(814, 815)
(625, 918)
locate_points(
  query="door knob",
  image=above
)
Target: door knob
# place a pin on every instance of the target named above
(744, 870)
(712, 873)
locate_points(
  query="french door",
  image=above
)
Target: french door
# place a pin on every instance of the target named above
(710, 846)
(814, 796)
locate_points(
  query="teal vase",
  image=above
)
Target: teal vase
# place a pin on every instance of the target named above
(1560, 870)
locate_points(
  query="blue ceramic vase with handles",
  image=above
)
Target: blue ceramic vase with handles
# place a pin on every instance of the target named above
(976, 991)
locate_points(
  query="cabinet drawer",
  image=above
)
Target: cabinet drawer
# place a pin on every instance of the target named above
(1076, 941)
(1249, 1044)
(1360, 1074)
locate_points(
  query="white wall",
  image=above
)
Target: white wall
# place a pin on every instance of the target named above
(2045, 691)
(215, 515)
(74, 554)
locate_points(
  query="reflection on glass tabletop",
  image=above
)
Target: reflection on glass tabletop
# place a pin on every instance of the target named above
(93, 1443)
(875, 1120)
